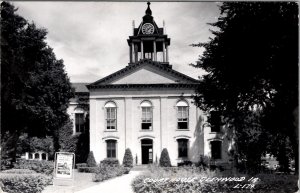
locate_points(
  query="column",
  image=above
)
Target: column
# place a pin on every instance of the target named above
(164, 46)
(142, 49)
(130, 53)
(167, 54)
(136, 50)
(154, 51)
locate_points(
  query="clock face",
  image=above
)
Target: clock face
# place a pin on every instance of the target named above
(147, 28)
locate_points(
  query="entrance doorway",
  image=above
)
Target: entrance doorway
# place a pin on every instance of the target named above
(147, 151)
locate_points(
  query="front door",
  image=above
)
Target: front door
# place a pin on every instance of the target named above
(147, 151)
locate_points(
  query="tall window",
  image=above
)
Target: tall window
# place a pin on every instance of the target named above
(146, 115)
(182, 148)
(111, 116)
(111, 148)
(216, 149)
(215, 121)
(182, 115)
(79, 122)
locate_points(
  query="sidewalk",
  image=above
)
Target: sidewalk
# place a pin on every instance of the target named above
(83, 184)
(120, 184)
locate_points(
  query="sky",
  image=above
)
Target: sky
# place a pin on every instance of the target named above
(91, 37)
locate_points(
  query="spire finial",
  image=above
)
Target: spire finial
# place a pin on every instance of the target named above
(148, 10)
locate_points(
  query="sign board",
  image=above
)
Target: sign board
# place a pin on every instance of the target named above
(64, 165)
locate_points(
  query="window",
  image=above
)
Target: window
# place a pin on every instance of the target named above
(182, 115)
(79, 122)
(146, 115)
(36, 156)
(216, 148)
(30, 156)
(111, 148)
(215, 121)
(111, 116)
(182, 148)
(44, 156)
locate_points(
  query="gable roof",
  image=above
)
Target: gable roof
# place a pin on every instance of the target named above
(80, 87)
(162, 67)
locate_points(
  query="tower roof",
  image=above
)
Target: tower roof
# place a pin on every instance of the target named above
(148, 10)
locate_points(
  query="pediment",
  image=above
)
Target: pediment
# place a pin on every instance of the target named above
(145, 72)
(146, 75)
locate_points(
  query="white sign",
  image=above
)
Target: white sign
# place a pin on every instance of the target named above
(64, 164)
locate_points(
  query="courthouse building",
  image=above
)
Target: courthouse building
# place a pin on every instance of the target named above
(147, 106)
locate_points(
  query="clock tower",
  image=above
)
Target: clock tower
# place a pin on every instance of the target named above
(148, 41)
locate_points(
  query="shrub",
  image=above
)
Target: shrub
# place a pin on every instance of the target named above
(88, 169)
(45, 167)
(19, 171)
(91, 162)
(107, 172)
(203, 161)
(164, 160)
(24, 183)
(176, 182)
(81, 165)
(128, 159)
(110, 162)
(185, 163)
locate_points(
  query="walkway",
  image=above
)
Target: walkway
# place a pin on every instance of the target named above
(120, 184)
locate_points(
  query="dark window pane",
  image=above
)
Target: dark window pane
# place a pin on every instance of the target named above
(182, 148)
(30, 156)
(216, 147)
(146, 125)
(79, 122)
(182, 125)
(111, 148)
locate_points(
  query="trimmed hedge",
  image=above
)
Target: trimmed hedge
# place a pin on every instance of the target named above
(110, 162)
(19, 171)
(91, 162)
(106, 172)
(88, 169)
(24, 183)
(81, 165)
(45, 167)
(164, 160)
(128, 159)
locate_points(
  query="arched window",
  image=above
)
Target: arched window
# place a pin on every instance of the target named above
(111, 148)
(182, 148)
(182, 114)
(111, 115)
(146, 115)
(36, 156)
(44, 156)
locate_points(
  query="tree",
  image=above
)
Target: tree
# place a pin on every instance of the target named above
(164, 160)
(128, 159)
(35, 88)
(252, 65)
